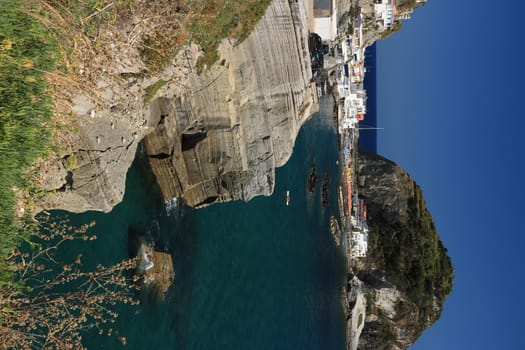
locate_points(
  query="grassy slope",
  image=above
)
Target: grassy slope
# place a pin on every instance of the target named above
(206, 22)
(26, 51)
(221, 19)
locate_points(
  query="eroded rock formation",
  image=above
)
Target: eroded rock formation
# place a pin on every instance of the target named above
(211, 137)
(223, 138)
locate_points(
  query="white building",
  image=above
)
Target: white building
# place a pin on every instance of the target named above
(325, 20)
(359, 243)
(353, 109)
(357, 74)
(349, 119)
(358, 103)
(384, 11)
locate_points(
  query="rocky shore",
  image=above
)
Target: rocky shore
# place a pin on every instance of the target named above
(211, 137)
(223, 139)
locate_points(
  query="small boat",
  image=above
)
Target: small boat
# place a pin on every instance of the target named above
(287, 197)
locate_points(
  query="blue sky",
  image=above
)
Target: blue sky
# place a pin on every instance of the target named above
(451, 97)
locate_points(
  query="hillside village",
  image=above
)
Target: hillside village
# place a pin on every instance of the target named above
(337, 46)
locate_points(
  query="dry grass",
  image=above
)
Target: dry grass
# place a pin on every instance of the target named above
(156, 29)
(219, 19)
(89, 34)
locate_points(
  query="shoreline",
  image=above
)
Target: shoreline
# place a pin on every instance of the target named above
(342, 68)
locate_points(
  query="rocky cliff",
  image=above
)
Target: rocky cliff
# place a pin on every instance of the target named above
(211, 137)
(407, 273)
(222, 139)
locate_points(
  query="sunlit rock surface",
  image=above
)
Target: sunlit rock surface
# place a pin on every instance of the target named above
(213, 137)
(222, 139)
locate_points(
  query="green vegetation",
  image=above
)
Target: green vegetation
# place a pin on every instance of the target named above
(207, 22)
(426, 265)
(405, 251)
(351, 14)
(350, 29)
(43, 307)
(27, 51)
(162, 41)
(221, 19)
(407, 5)
(87, 16)
(156, 51)
(415, 259)
(152, 90)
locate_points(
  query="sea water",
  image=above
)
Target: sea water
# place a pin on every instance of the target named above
(367, 132)
(255, 275)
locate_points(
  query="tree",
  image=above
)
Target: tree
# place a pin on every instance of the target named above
(51, 304)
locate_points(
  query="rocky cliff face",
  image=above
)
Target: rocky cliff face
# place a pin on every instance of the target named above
(211, 137)
(407, 273)
(222, 139)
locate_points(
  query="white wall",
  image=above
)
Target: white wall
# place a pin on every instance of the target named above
(323, 27)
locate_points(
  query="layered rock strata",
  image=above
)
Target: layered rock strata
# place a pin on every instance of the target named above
(222, 139)
(211, 137)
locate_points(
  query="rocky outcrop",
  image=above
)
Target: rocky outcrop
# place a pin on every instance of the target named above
(407, 273)
(355, 305)
(101, 117)
(212, 137)
(155, 268)
(222, 139)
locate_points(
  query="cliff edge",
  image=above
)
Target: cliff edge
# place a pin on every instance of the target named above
(222, 139)
(210, 137)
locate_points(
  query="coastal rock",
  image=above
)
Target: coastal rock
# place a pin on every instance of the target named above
(223, 138)
(155, 268)
(212, 137)
(357, 304)
(407, 273)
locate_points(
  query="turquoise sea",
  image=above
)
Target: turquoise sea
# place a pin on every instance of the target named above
(256, 275)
